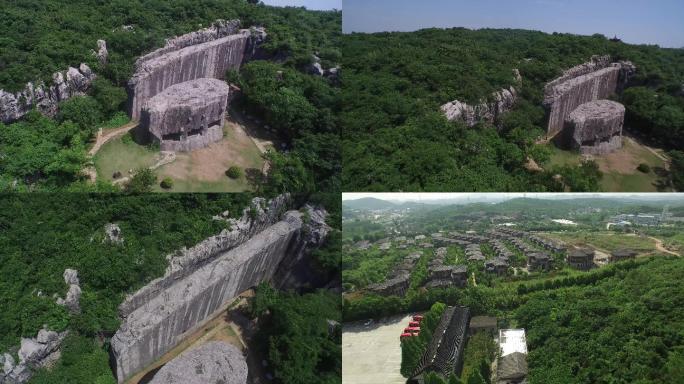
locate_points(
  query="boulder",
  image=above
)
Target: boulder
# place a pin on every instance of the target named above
(102, 54)
(73, 299)
(71, 276)
(595, 128)
(113, 233)
(212, 362)
(7, 363)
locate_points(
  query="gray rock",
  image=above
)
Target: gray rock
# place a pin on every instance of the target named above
(67, 84)
(73, 299)
(102, 54)
(71, 276)
(207, 53)
(113, 234)
(212, 362)
(186, 116)
(182, 305)
(31, 351)
(594, 80)
(7, 363)
(488, 111)
(595, 128)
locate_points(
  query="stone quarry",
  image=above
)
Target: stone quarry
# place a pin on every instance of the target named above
(65, 84)
(594, 80)
(185, 116)
(595, 128)
(201, 281)
(212, 362)
(489, 111)
(207, 53)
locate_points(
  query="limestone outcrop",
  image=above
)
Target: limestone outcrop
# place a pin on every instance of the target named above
(490, 111)
(595, 128)
(65, 84)
(212, 362)
(185, 116)
(113, 234)
(207, 53)
(102, 54)
(73, 296)
(161, 323)
(33, 353)
(594, 80)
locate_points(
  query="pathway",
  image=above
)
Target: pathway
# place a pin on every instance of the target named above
(102, 139)
(660, 247)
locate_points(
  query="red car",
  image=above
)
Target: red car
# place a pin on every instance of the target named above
(411, 329)
(405, 335)
(414, 324)
(418, 318)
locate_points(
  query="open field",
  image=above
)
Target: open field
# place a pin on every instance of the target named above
(372, 354)
(202, 170)
(607, 241)
(620, 168)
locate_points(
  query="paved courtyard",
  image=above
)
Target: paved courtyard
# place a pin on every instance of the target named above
(372, 354)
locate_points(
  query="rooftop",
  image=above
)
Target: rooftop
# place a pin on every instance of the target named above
(512, 340)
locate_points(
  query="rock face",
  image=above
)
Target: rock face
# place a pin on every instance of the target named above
(206, 53)
(186, 116)
(488, 111)
(34, 353)
(202, 280)
(594, 80)
(65, 84)
(595, 128)
(73, 296)
(212, 362)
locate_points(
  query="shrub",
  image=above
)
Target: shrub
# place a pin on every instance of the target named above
(167, 183)
(142, 181)
(234, 172)
(645, 168)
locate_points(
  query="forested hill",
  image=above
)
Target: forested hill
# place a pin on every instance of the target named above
(394, 83)
(40, 37)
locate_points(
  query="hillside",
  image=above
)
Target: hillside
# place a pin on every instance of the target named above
(278, 90)
(395, 83)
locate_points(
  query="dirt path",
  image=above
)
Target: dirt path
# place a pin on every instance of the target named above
(102, 139)
(660, 247)
(164, 157)
(653, 151)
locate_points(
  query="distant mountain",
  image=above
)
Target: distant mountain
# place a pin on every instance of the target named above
(369, 204)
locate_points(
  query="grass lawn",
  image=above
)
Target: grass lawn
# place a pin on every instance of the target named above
(202, 170)
(607, 240)
(619, 168)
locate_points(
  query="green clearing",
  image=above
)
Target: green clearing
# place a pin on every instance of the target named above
(631, 155)
(121, 154)
(607, 240)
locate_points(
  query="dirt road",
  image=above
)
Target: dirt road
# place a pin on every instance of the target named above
(102, 139)
(660, 247)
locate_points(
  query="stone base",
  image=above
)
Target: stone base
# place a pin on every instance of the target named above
(213, 134)
(603, 147)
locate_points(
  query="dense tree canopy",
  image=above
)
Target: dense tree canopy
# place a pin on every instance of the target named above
(394, 83)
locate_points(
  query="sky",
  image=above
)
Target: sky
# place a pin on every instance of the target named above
(496, 197)
(309, 4)
(634, 21)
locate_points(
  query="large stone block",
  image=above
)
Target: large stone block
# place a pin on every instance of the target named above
(186, 116)
(212, 362)
(161, 322)
(596, 127)
(594, 80)
(179, 63)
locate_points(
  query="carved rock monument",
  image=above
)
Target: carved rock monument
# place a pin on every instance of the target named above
(595, 128)
(185, 116)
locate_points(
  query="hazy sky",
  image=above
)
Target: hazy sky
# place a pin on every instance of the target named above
(493, 197)
(309, 4)
(634, 21)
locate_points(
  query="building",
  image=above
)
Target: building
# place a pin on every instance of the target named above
(496, 265)
(482, 324)
(444, 354)
(512, 361)
(396, 286)
(622, 254)
(442, 276)
(581, 258)
(538, 261)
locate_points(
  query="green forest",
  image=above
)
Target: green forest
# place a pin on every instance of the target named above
(396, 138)
(40, 37)
(43, 234)
(619, 324)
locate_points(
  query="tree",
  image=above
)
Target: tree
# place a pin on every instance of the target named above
(109, 97)
(84, 111)
(142, 181)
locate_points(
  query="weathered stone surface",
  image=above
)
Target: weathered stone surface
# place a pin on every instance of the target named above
(113, 234)
(595, 127)
(594, 80)
(71, 276)
(186, 116)
(102, 54)
(208, 53)
(489, 111)
(33, 353)
(212, 362)
(160, 323)
(65, 84)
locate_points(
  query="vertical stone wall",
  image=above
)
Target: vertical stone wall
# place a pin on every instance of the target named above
(160, 323)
